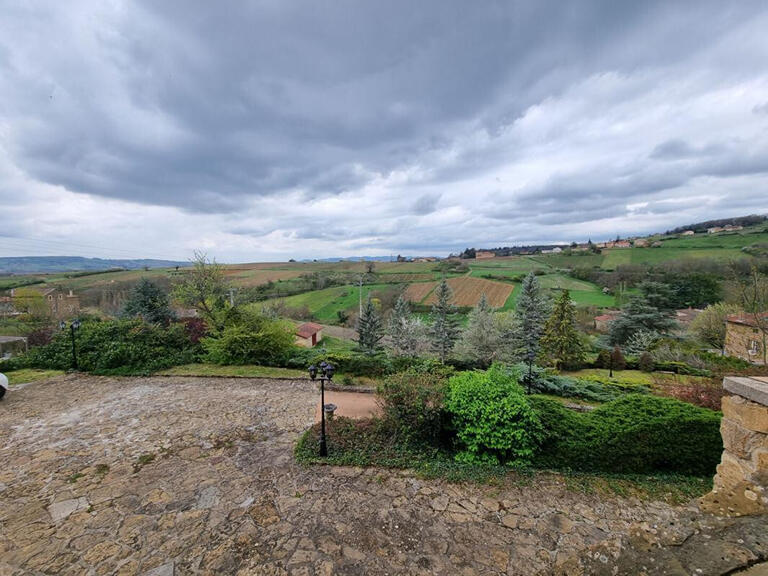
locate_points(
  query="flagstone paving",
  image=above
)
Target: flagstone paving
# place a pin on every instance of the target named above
(170, 476)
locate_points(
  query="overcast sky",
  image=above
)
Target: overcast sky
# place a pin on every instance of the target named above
(272, 129)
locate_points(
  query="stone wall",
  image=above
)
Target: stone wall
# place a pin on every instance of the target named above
(738, 341)
(741, 483)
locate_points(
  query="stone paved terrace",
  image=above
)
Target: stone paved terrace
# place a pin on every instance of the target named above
(167, 476)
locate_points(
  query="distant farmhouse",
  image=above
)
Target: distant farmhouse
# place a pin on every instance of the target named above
(603, 322)
(744, 339)
(60, 305)
(309, 334)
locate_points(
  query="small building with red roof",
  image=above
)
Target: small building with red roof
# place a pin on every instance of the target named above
(309, 334)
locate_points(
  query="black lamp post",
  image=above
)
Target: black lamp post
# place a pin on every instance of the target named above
(326, 374)
(73, 326)
(529, 357)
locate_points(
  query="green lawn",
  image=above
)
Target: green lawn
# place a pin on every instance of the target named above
(634, 377)
(26, 375)
(563, 282)
(574, 260)
(593, 298)
(618, 257)
(233, 371)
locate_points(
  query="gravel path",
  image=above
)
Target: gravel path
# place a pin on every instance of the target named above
(193, 476)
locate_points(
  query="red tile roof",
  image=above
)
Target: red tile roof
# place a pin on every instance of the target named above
(746, 319)
(308, 329)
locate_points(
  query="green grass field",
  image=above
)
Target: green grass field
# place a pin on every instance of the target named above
(563, 282)
(593, 298)
(325, 304)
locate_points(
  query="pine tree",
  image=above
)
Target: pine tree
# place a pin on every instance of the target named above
(561, 343)
(149, 302)
(402, 329)
(369, 327)
(444, 329)
(639, 315)
(481, 339)
(531, 313)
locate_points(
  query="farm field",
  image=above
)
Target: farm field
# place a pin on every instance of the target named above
(593, 298)
(256, 277)
(520, 264)
(418, 292)
(467, 292)
(325, 304)
(563, 282)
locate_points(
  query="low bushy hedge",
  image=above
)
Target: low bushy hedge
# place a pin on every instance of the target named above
(263, 342)
(413, 405)
(634, 434)
(117, 347)
(354, 364)
(493, 420)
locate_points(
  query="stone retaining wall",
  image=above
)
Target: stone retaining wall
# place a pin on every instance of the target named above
(741, 483)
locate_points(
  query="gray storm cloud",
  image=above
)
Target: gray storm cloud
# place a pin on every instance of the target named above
(399, 125)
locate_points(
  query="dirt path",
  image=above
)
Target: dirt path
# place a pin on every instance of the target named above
(193, 476)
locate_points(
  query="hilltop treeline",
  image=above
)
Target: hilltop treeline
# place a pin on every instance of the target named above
(750, 220)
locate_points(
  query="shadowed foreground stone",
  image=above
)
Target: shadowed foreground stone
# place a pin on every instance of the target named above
(176, 476)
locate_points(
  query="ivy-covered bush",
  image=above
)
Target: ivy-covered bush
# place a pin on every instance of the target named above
(412, 405)
(634, 434)
(493, 420)
(117, 347)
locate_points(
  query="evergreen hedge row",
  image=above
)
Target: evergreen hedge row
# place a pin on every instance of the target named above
(634, 434)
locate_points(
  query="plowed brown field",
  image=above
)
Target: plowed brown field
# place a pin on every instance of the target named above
(466, 292)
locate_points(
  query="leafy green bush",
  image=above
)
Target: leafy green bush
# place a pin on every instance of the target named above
(255, 340)
(117, 347)
(412, 403)
(494, 422)
(637, 434)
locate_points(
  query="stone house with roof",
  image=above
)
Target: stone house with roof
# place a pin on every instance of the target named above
(744, 338)
(60, 305)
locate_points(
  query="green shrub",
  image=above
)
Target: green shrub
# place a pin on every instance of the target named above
(494, 422)
(412, 404)
(634, 434)
(544, 381)
(118, 347)
(262, 342)
(355, 364)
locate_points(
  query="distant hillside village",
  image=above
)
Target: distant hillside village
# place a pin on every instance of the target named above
(652, 241)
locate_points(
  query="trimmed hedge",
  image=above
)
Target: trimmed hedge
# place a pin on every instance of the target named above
(117, 347)
(634, 434)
